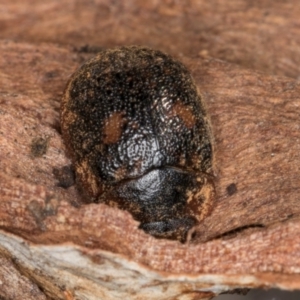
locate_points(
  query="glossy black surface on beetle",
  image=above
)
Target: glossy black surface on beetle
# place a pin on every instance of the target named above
(137, 132)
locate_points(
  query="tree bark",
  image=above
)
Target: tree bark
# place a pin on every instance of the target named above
(55, 247)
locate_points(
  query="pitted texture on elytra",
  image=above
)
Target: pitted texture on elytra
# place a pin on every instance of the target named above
(144, 88)
(129, 111)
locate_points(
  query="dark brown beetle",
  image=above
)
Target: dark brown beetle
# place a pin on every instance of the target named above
(136, 129)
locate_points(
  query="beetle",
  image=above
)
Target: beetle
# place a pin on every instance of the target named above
(137, 131)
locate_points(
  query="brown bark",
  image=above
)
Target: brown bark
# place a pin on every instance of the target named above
(73, 251)
(15, 285)
(263, 35)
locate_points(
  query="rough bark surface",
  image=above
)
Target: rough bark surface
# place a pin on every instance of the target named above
(263, 35)
(54, 247)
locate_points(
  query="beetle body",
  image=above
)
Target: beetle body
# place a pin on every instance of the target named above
(137, 132)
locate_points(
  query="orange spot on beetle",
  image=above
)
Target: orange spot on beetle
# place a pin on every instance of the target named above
(185, 113)
(113, 127)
